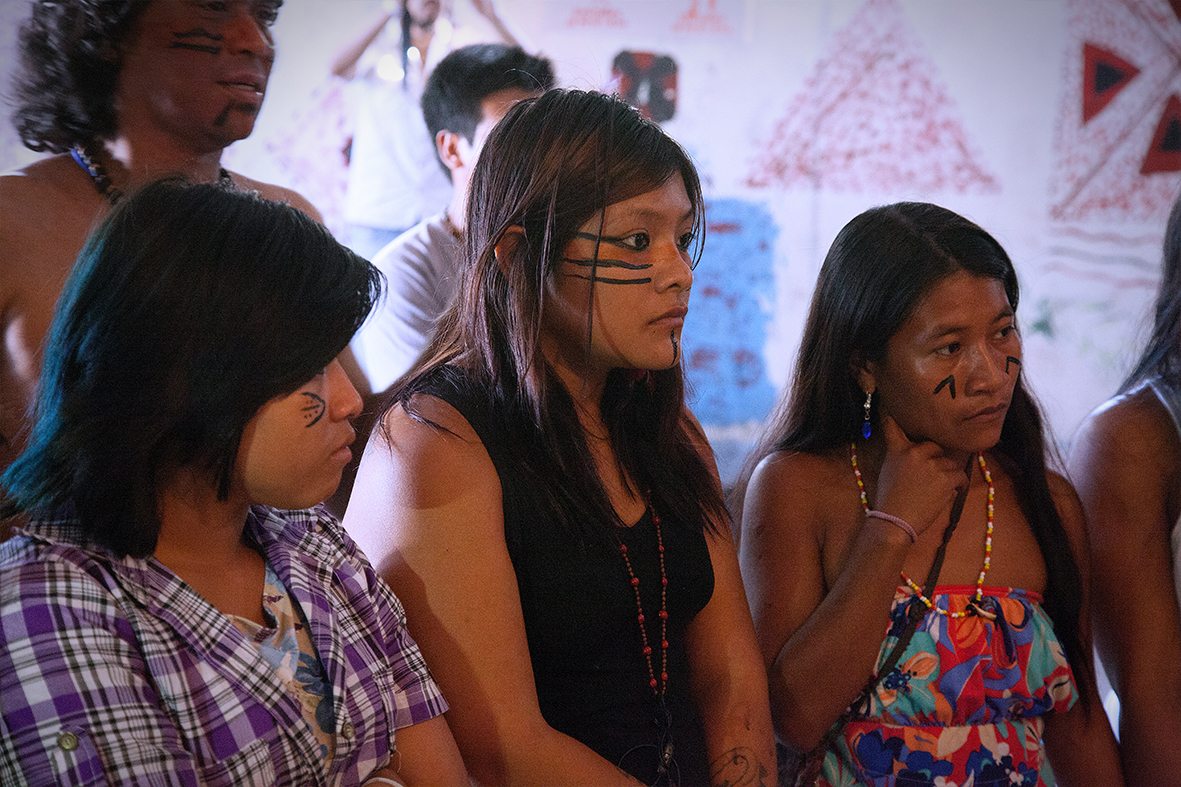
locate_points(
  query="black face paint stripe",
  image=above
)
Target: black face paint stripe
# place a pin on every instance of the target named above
(608, 263)
(949, 381)
(212, 50)
(602, 280)
(197, 32)
(1010, 360)
(313, 410)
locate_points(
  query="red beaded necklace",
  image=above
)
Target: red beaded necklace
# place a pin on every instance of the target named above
(658, 687)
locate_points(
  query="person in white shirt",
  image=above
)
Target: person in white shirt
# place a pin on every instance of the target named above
(466, 95)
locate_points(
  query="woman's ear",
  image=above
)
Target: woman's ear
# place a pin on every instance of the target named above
(507, 246)
(864, 372)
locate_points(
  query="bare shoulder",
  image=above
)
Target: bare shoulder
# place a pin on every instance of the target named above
(794, 489)
(799, 473)
(423, 479)
(279, 194)
(437, 452)
(48, 209)
(52, 189)
(1127, 453)
(1128, 427)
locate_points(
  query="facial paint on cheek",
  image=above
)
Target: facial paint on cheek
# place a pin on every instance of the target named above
(1011, 360)
(608, 263)
(948, 381)
(182, 41)
(313, 409)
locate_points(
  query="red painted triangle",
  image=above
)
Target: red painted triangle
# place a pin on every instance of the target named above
(1104, 75)
(1164, 154)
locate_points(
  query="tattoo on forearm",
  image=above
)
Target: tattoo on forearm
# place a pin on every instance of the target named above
(948, 381)
(182, 41)
(313, 409)
(738, 768)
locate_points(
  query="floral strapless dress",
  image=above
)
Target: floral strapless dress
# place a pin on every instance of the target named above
(964, 706)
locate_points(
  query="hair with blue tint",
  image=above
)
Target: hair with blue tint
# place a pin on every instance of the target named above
(188, 309)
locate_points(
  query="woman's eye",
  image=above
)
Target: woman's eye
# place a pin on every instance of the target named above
(949, 349)
(685, 241)
(1006, 331)
(635, 242)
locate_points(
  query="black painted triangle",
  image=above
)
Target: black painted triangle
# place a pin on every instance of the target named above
(1105, 74)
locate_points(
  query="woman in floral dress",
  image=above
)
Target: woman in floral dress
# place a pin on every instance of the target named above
(908, 425)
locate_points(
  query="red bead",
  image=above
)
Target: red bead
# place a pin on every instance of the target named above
(664, 581)
(663, 615)
(664, 677)
(635, 582)
(652, 683)
(641, 617)
(647, 651)
(661, 547)
(664, 644)
(623, 548)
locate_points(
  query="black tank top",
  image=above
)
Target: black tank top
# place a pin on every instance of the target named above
(580, 610)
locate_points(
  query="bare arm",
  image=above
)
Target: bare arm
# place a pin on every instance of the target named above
(820, 642)
(487, 9)
(429, 516)
(1125, 462)
(729, 683)
(1079, 741)
(344, 64)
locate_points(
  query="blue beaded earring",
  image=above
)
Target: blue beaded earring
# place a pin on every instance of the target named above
(866, 430)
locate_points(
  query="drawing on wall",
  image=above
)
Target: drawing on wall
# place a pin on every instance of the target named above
(873, 116)
(312, 150)
(1118, 135)
(648, 82)
(699, 19)
(729, 316)
(599, 13)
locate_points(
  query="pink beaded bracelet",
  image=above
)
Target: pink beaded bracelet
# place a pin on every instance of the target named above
(902, 523)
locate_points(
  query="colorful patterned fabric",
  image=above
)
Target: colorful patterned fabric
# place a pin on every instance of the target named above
(964, 706)
(285, 645)
(114, 671)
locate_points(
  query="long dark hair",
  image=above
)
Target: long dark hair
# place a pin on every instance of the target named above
(1162, 356)
(551, 165)
(188, 309)
(878, 268)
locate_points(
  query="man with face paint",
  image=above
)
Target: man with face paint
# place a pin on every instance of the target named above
(122, 93)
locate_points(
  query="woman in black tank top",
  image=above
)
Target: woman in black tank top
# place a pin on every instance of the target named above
(539, 496)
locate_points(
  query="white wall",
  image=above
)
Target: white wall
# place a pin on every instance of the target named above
(852, 85)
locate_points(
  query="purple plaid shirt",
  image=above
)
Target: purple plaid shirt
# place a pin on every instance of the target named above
(117, 672)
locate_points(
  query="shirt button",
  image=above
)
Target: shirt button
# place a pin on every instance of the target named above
(347, 730)
(67, 741)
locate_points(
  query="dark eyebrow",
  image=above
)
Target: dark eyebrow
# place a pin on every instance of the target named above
(940, 331)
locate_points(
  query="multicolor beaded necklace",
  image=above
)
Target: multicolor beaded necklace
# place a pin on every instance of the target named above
(973, 607)
(87, 159)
